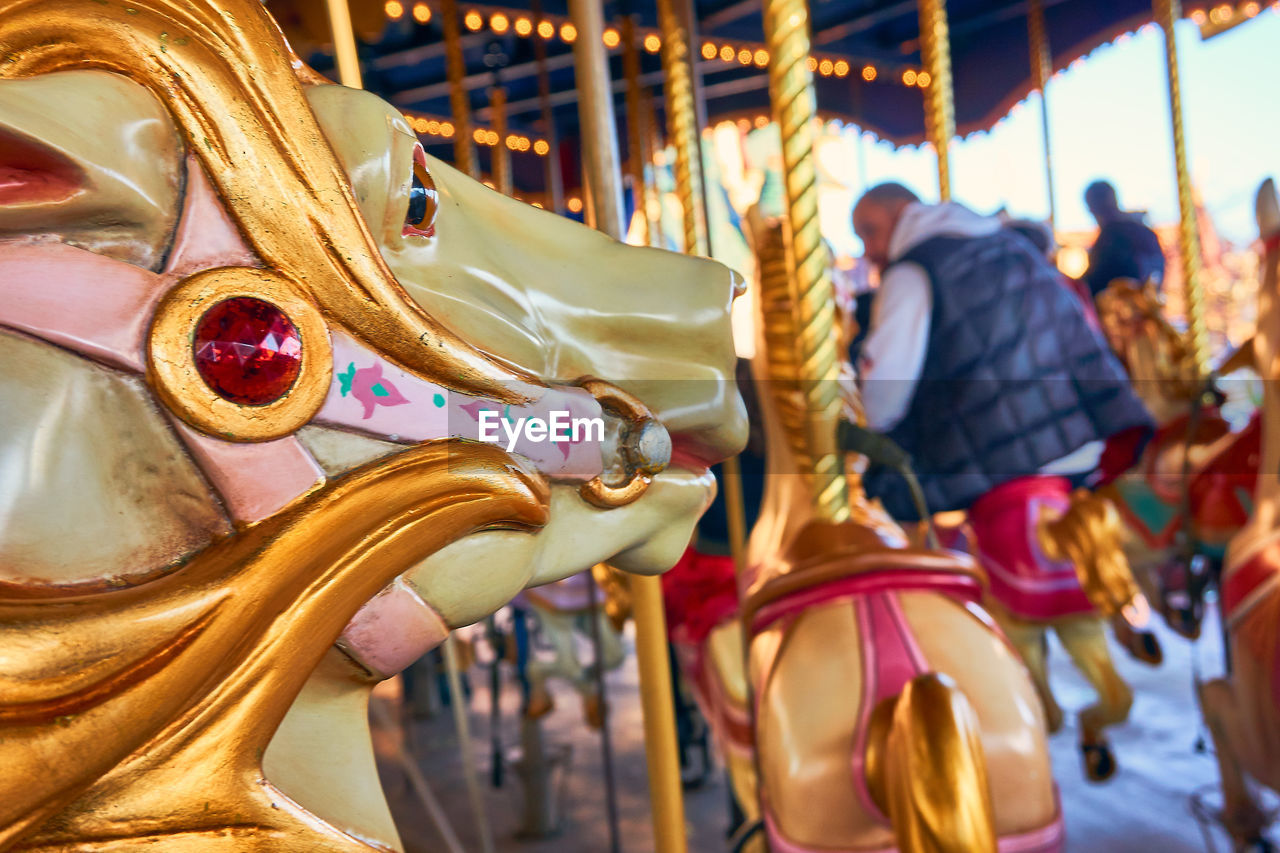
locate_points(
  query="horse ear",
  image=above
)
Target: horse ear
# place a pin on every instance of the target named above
(1268, 209)
(91, 159)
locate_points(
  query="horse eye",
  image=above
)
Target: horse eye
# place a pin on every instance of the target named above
(420, 219)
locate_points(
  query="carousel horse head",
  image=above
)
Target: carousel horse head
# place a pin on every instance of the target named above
(283, 400)
(1159, 358)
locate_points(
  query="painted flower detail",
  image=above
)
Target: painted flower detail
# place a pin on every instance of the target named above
(368, 387)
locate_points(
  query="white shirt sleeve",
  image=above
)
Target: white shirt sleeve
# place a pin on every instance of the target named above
(893, 353)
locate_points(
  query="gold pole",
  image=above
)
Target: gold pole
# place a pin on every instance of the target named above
(599, 135)
(1167, 12)
(661, 748)
(344, 44)
(461, 722)
(636, 129)
(682, 124)
(1041, 71)
(940, 116)
(812, 314)
(464, 157)
(600, 150)
(651, 143)
(501, 153)
(551, 163)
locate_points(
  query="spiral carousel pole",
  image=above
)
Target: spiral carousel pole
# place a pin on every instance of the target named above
(1041, 71)
(1167, 13)
(811, 319)
(939, 106)
(682, 124)
(604, 194)
(551, 163)
(464, 156)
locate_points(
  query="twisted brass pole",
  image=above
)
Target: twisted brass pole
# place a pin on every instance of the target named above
(682, 124)
(501, 153)
(636, 125)
(1167, 13)
(464, 157)
(652, 142)
(1041, 71)
(940, 116)
(812, 316)
(551, 163)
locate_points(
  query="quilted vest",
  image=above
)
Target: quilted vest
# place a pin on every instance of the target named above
(1014, 377)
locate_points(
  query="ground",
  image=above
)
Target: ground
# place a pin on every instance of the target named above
(1146, 807)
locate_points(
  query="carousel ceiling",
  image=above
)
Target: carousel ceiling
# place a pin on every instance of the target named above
(866, 60)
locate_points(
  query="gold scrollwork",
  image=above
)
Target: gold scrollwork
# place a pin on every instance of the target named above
(171, 366)
(597, 492)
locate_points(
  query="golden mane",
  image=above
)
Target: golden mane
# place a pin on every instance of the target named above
(143, 713)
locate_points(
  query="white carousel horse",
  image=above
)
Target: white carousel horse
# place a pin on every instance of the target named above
(1242, 710)
(564, 613)
(246, 326)
(888, 707)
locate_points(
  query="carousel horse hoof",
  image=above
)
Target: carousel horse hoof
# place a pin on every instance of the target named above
(540, 704)
(593, 711)
(1099, 761)
(1053, 719)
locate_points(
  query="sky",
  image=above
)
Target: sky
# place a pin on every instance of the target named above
(1109, 118)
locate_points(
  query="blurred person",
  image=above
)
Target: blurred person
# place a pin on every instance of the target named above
(1125, 248)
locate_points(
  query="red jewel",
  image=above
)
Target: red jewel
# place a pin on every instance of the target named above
(248, 351)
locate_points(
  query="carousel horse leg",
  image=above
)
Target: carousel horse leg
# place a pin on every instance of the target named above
(1086, 642)
(1031, 642)
(1241, 816)
(557, 628)
(934, 781)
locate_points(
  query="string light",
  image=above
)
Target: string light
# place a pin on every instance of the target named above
(541, 147)
(726, 53)
(842, 68)
(499, 23)
(473, 20)
(1198, 17)
(744, 56)
(1251, 10)
(825, 67)
(868, 73)
(523, 26)
(812, 63)
(923, 79)
(575, 204)
(762, 121)
(491, 137)
(708, 50)
(394, 9)
(909, 77)
(568, 32)
(652, 43)
(761, 58)
(478, 135)
(446, 129)
(744, 126)
(421, 13)
(612, 38)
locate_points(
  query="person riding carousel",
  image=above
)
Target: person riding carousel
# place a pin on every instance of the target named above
(983, 368)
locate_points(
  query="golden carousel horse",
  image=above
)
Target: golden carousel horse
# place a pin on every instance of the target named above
(877, 698)
(249, 334)
(1242, 710)
(1190, 491)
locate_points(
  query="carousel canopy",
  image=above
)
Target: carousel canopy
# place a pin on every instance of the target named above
(866, 61)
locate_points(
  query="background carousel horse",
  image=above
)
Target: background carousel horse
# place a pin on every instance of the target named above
(860, 652)
(1190, 491)
(564, 612)
(1242, 710)
(246, 322)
